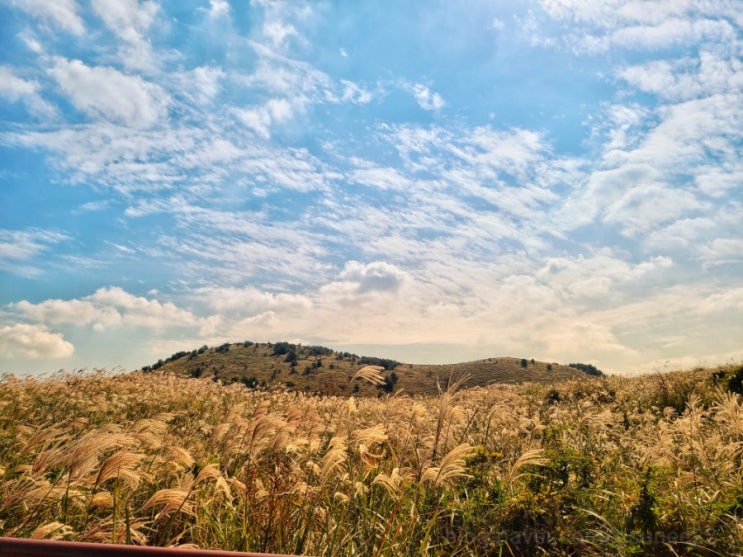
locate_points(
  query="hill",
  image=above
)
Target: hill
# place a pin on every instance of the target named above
(318, 369)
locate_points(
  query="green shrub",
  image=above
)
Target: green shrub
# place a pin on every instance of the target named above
(735, 383)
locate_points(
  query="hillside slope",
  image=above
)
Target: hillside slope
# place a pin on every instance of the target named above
(322, 370)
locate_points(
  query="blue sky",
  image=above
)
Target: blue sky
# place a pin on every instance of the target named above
(431, 181)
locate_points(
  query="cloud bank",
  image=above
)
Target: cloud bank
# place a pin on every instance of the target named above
(560, 182)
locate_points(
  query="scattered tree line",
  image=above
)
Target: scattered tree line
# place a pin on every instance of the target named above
(386, 363)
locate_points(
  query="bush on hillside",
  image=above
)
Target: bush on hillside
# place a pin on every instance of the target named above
(281, 348)
(588, 368)
(735, 383)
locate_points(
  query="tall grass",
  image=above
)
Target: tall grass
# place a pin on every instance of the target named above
(606, 466)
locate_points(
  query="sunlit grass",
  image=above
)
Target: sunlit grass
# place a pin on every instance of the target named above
(606, 466)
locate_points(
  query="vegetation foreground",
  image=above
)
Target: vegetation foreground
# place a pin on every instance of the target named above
(593, 466)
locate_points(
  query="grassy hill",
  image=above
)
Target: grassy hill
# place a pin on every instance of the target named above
(322, 370)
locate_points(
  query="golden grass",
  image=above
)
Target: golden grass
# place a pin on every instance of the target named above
(641, 466)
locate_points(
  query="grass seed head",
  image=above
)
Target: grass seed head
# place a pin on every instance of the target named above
(372, 374)
(452, 466)
(121, 465)
(52, 530)
(172, 500)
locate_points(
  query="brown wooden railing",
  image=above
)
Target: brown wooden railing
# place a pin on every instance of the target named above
(17, 547)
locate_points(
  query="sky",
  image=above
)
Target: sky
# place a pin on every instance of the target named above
(432, 181)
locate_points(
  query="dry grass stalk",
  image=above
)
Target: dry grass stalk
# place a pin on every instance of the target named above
(334, 459)
(372, 374)
(53, 530)
(172, 501)
(121, 466)
(451, 468)
(532, 457)
(394, 483)
(102, 500)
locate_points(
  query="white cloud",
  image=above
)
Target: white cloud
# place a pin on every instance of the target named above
(601, 278)
(625, 125)
(354, 93)
(723, 251)
(19, 248)
(484, 150)
(202, 84)
(718, 180)
(683, 235)
(651, 25)
(252, 313)
(473, 305)
(656, 171)
(427, 99)
(578, 338)
(384, 178)
(106, 308)
(31, 42)
(298, 82)
(18, 245)
(130, 20)
(193, 160)
(252, 301)
(690, 130)
(277, 32)
(678, 321)
(646, 206)
(358, 279)
(121, 158)
(62, 12)
(80, 312)
(94, 206)
(33, 342)
(655, 168)
(279, 75)
(218, 8)
(667, 33)
(377, 276)
(13, 87)
(262, 119)
(281, 21)
(102, 92)
(687, 78)
(368, 296)
(17, 89)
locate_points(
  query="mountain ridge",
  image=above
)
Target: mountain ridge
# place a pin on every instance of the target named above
(322, 370)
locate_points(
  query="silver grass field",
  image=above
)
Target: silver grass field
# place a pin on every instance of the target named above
(598, 466)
